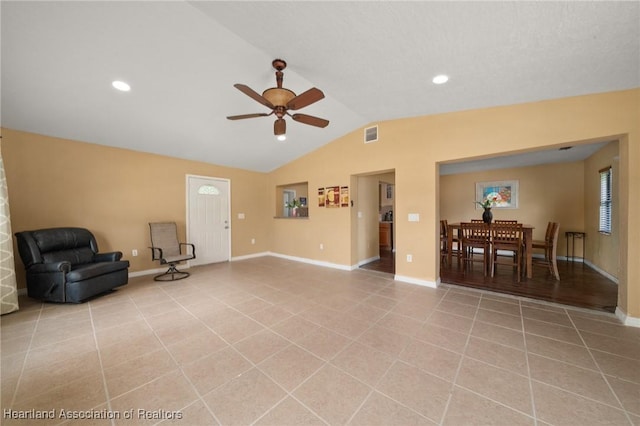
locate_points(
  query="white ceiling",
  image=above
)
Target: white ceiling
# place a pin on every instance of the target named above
(373, 60)
(535, 158)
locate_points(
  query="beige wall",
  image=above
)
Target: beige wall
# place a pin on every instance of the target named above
(552, 192)
(119, 191)
(415, 146)
(115, 193)
(366, 202)
(602, 250)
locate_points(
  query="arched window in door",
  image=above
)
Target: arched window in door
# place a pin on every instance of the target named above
(208, 190)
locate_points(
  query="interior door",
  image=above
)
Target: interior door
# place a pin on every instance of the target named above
(209, 227)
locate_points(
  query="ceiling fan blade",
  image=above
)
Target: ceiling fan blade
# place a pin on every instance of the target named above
(241, 117)
(306, 98)
(279, 127)
(253, 95)
(311, 120)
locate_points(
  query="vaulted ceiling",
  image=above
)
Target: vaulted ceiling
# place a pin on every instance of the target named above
(374, 61)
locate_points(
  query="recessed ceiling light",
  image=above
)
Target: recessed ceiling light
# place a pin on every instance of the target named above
(440, 79)
(121, 85)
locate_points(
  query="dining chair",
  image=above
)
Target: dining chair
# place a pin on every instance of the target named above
(550, 247)
(507, 237)
(475, 236)
(507, 221)
(444, 243)
(477, 221)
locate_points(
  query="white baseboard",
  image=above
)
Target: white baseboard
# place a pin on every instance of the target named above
(365, 261)
(250, 256)
(586, 262)
(187, 266)
(312, 261)
(626, 319)
(602, 272)
(417, 281)
(152, 271)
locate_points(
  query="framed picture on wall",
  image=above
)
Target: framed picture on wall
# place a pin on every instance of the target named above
(321, 197)
(332, 195)
(503, 194)
(344, 196)
(389, 192)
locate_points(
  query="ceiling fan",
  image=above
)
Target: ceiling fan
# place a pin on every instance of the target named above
(281, 100)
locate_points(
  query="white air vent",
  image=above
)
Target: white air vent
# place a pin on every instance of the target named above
(371, 134)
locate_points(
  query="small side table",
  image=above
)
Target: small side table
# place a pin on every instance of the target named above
(575, 234)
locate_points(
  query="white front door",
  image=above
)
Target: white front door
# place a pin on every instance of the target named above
(209, 227)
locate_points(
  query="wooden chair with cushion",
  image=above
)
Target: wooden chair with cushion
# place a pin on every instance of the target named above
(507, 237)
(475, 236)
(550, 247)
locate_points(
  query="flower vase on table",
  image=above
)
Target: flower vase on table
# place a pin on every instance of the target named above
(293, 207)
(486, 204)
(487, 216)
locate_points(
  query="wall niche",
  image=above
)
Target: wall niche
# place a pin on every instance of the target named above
(292, 201)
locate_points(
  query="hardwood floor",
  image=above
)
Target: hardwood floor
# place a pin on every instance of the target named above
(386, 263)
(579, 284)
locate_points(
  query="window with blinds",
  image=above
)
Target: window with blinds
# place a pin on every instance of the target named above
(605, 201)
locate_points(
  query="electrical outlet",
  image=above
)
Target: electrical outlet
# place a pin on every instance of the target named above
(321, 246)
(253, 241)
(409, 258)
(134, 252)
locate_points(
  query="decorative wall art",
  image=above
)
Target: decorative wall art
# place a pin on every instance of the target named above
(502, 194)
(333, 196)
(344, 196)
(321, 197)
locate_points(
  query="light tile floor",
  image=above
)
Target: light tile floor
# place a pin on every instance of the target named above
(268, 341)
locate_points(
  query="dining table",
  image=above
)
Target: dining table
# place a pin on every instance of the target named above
(527, 234)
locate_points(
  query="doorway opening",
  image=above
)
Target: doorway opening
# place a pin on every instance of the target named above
(375, 224)
(547, 198)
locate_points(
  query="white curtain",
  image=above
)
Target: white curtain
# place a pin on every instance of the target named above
(8, 291)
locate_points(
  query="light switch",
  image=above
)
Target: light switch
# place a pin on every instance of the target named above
(240, 215)
(414, 217)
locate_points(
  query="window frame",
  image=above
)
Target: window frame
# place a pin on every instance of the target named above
(605, 206)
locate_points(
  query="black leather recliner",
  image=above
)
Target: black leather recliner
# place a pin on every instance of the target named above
(63, 265)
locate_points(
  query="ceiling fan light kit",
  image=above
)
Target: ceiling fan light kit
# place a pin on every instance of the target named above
(280, 100)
